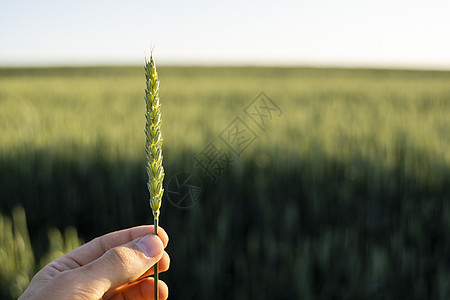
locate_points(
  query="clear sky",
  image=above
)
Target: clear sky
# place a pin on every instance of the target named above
(323, 32)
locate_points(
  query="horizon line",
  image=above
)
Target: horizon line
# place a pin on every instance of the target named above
(319, 65)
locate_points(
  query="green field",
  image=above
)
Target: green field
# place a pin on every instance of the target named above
(345, 195)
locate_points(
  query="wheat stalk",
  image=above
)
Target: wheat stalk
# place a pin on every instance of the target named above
(155, 170)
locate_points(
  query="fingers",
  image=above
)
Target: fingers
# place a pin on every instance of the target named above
(99, 246)
(143, 289)
(119, 265)
(163, 265)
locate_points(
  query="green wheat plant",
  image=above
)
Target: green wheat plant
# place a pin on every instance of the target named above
(155, 170)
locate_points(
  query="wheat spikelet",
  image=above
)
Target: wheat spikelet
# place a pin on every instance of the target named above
(155, 170)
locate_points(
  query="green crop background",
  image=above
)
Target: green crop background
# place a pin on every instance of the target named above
(345, 195)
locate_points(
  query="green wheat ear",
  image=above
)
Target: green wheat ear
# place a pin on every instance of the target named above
(155, 170)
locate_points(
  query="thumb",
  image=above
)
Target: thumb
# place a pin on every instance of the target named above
(121, 265)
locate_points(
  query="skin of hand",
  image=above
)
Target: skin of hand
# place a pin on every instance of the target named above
(114, 266)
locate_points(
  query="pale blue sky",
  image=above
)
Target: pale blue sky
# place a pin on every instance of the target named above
(324, 32)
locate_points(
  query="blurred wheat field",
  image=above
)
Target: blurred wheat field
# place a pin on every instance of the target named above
(345, 195)
(63, 109)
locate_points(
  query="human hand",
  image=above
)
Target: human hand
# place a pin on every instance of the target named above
(113, 266)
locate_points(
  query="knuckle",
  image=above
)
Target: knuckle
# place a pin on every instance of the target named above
(120, 258)
(66, 276)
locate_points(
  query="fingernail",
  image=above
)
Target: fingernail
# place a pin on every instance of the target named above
(150, 245)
